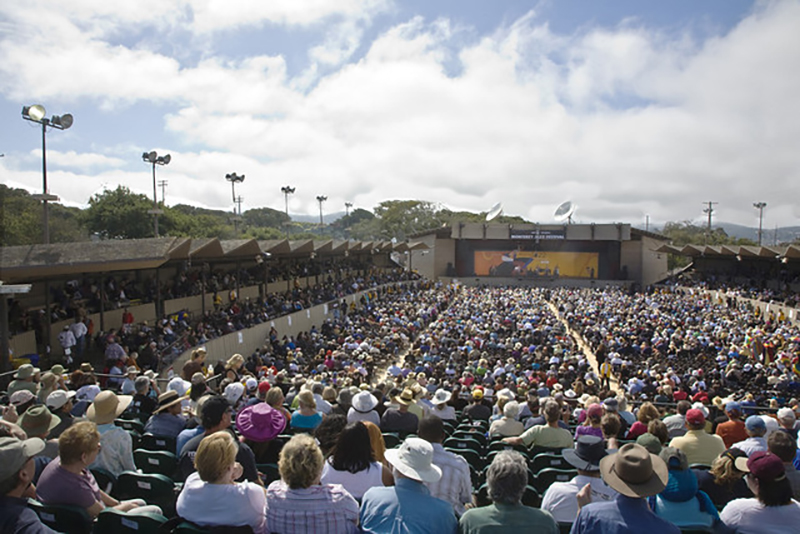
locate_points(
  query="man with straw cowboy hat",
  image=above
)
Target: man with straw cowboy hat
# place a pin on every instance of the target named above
(400, 419)
(167, 420)
(635, 474)
(116, 452)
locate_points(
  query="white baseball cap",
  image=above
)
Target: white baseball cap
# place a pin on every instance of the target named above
(58, 398)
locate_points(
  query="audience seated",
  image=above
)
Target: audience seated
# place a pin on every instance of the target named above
(212, 497)
(68, 481)
(299, 503)
(408, 502)
(772, 508)
(16, 486)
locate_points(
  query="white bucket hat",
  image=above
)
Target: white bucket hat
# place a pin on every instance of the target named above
(414, 459)
(364, 402)
(441, 396)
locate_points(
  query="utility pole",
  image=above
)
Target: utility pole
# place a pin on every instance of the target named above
(647, 223)
(163, 185)
(760, 207)
(347, 206)
(709, 210)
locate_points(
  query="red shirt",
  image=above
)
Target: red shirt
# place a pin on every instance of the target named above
(732, 432)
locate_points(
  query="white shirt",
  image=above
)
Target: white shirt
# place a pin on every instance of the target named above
(355, 483)
(751, 445)
(78, 329)
(243, 503)
(372, 416)
(749, 516)
(560, 498)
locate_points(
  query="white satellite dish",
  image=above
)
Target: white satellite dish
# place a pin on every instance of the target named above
(564, 211)
(495, 212)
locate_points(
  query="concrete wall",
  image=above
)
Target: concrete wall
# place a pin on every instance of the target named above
(630, 256)
(246, 341)
(654, 264)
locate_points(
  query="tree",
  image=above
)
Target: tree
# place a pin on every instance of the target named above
(21, 220)
(688, 233)
(264, 218)
(119, 214)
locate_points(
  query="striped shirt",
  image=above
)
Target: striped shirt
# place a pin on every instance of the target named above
(455, 486)
(323, 509)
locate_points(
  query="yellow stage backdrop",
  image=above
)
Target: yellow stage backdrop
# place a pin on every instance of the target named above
(524, 263)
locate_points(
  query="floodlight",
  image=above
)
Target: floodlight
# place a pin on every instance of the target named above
(35, 112)
(62, 122)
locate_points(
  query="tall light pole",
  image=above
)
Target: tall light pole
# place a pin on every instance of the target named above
(234, 179)
(760, 207)
(36, 113)
(321, 199)
(347, 206)
(153, 158)
(287, 190)
(710, 211)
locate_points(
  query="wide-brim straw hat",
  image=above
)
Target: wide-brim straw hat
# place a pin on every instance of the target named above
(405, 398)
(166, 400)
(107, 406)
(634, 472)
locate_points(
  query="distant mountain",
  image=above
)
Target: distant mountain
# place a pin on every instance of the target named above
(327, 217)
(768, 237)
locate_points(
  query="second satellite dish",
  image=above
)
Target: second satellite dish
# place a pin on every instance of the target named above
(495, 212)
(565, 211)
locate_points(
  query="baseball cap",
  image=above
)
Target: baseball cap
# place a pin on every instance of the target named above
(21, 397)
(754, 422)
(763, 465)
(695, 417)
(58, 398)
(14, 453)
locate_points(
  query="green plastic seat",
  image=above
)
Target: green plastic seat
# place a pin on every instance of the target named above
(159, 462)
(62, 518)
(153, 488)
(114, 521)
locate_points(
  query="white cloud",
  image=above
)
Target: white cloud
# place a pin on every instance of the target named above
(624, 121)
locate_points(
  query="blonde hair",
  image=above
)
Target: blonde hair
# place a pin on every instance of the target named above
(306, 398)
(236, 359)
(329, 394)
(79, 439)
(300, 462)
(215, 455)
(724, 471)
(376, 440)
(273, 395)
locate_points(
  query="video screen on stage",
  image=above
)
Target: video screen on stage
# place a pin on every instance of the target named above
(536, 263)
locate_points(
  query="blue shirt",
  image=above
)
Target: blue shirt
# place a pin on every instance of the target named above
(623, 515)
(16, 517)
(406, 507)
(165, 424)
(185, 436)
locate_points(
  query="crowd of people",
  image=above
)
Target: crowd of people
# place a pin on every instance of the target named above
(405, 412)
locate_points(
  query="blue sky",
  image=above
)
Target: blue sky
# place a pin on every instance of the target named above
(628, 108)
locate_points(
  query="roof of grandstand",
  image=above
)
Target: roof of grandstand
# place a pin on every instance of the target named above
(63, 259)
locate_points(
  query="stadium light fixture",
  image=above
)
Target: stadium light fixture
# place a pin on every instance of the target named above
(760, 207)
(287, 190)
(321, 199)
(37, 113)
(154, 159)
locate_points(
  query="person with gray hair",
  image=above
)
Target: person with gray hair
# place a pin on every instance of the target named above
(507, 478)
(549, 435)
(508, 424)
